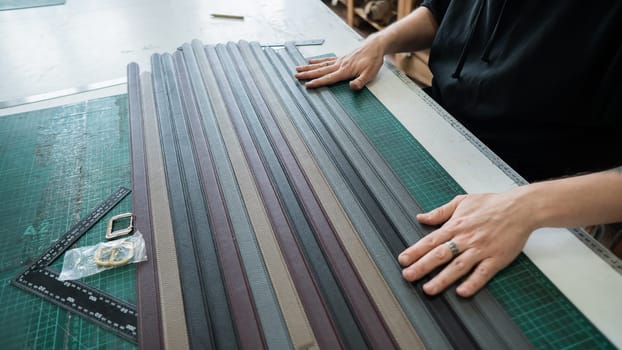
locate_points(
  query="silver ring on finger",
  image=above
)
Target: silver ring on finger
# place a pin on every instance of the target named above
(453, 247)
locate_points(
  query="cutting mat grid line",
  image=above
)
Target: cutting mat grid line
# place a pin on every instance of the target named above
(544, 314)
(57, 164)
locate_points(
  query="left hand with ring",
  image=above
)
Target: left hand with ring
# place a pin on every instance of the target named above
(480, 234)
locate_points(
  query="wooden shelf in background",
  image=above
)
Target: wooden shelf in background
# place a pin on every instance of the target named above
(361, 13)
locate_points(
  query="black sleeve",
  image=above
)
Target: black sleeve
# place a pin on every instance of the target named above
(437, 7)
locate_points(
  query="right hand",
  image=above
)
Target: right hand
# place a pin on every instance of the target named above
(362, 64)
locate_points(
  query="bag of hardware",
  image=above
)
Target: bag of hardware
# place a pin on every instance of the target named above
(86, 261)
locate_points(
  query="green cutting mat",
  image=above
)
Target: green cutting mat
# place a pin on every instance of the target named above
(545, 315)
(55, 166)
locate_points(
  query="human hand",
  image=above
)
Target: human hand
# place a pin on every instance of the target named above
(362, 64)
(488, 230)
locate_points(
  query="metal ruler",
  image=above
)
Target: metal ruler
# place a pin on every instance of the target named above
(310, 42)
(116, 315)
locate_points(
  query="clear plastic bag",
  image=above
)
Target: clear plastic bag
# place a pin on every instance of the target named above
(86, 261)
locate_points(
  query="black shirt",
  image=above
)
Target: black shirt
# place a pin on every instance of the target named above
(539, 82)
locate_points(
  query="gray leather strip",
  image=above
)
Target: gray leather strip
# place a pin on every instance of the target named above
(175, 334)
(482, 315)
(367, 315)
(206, 306)
(405, 293)
(380, 292)
(314, 305)
(242, 306)
(223, 149)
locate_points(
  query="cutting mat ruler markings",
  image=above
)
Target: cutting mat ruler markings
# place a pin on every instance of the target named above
(94, 305)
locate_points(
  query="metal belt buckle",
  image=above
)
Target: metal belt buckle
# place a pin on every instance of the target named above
(114, 255)
(114, 234)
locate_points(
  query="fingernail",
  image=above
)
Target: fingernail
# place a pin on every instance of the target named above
(408, 275)
(403, 259)
(429, 288)
(463, 290)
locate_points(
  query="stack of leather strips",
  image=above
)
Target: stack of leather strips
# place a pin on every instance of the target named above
(273, 221)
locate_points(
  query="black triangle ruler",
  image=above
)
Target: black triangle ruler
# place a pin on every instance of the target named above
(116, 315)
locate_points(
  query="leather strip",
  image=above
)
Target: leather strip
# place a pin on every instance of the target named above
(205, 303)
(371, 323)
(245, 319)
(482, 315)
(149, 316)
(174, 331)
(233, 192)
(319, 317)
(359, 204)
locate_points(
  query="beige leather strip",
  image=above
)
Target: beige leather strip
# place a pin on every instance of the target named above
(390, 309)
(171, 302)
(293, 312)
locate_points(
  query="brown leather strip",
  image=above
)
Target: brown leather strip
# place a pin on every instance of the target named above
(245, 319)
(366, 313)
(149, 315)
(289, 302)
(175, 333)
(319, 316)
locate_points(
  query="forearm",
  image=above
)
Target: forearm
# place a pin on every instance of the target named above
(576, 201)
(414, 32)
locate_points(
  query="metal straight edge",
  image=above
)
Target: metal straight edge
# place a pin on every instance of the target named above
(310, 42)
(586, 238)
(242, 305)
(319, 317)
(193, 274)
(369, 320)
(175, 333)
(482, 314)
(250, 231)
(61, 93)
(331, 292)
(149, 315)
(351, 236)
(410, 302)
